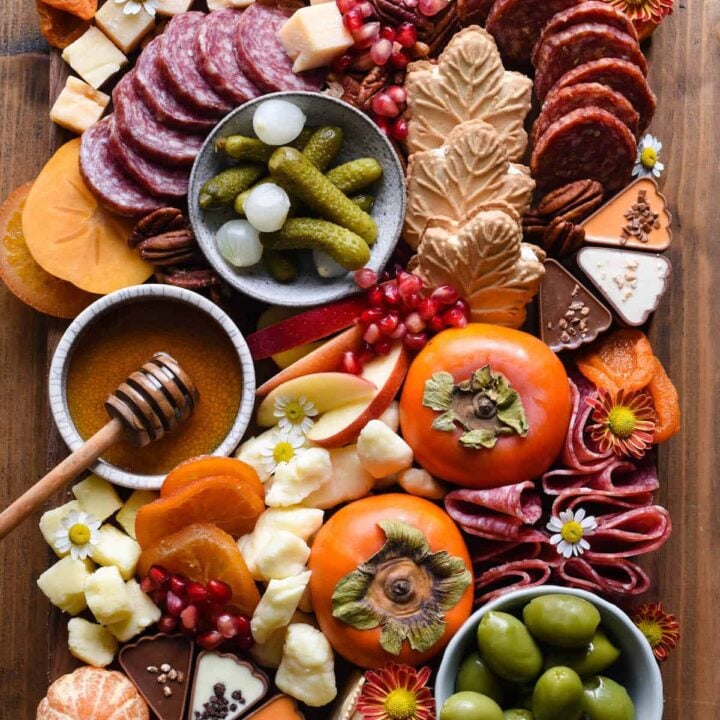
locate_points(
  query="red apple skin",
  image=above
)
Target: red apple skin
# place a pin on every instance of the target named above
(376, 407)
(325, 359)
(306, 327)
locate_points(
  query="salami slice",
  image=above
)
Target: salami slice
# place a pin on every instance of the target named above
(502, 579)
(620, 75)
(137, 127)
(484, 551)
(559, 104)
(580, 44)
(588, 143)
(179, 66)
(516, 25)
(107, 180)
(261, 54)
(619, 477)
(217, 60)
(162, 182)
(473, 12)
(630, 533)
(599, 502)
(152, 87)
(613, 577)
(592, 11)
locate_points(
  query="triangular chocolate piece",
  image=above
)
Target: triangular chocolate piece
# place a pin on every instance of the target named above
(159, 667)
(637, 218)
(570, 315)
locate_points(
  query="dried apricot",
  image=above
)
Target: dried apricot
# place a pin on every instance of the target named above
(59, 28)
(84, 9)
(203, 552)
(622, 360)
(667, 405)
(204, 466)
(231, 503)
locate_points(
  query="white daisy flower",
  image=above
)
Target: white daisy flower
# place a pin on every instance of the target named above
(281, 449)
(647, 163)
(133, 7)
(78, 534)
(295, 414)
(570, 529)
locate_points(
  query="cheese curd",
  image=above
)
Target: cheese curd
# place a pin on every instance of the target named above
(295, 480)
(381, 451)
(277, 605)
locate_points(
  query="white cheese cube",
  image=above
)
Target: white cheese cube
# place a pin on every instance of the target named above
(79, 106)
(143, 613)
(314, 36)
(51, 521)
(128, 513)
(94, 57)
(174, 7)
(126, 31)
(116, 548)
(91, 643)
(64, 584)
(97, 497)
(107, 596)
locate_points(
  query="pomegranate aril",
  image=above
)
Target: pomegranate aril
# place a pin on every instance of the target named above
(445, 294)
(399, 332)
(244, 642)
(397, 93)
(353, 19)
(243, 624)
(384, 105)
(388, 324)
(375, 297)
(346, 5)
(380, 51)
(382, 123)
(387, 32)
(372, 334)
(413, 301)
(159, 597)
(383, 347)
(406, 35)
(148, 585)
(178, 585)
(410, 3)
(174, 604)
(399, 60)
(351, 363)
(436, 324)
(210, 640)
(197, 592)
(366, 35)
(455, 318)
(366, 8)
(428, 308)
(431, 7)
(415, 341)
(159, 574)
(342, 63)
(399, 129)
(408, 284)
(190, 617)
(167, 624)
(365, 278)
(228, 625)
(414, 323)
(220, 592)
(391, 294)
(463, 306)
(371, 315)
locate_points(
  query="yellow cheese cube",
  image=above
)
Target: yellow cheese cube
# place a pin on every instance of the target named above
(107, 597)
(126, 31)
(116, 548)
(173, 7)
(91, 643)
(143, 613)
(50, 523)
(94, 57)
(220, 4)
(126, 516)
(97, 497)
(314, 36)
(78, 106)
(64, 584)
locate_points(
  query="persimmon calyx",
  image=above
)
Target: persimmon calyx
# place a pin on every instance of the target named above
(485, 406)
(404, 588)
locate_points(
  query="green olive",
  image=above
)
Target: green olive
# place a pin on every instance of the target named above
(475, 675)
(558, 694)
(470, 706)
(508, 648)
(598, 656)
(517, 714)
(562, 621)
(604, 699)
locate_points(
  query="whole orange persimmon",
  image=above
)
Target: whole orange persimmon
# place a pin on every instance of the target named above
(391, 580)
(485, 406)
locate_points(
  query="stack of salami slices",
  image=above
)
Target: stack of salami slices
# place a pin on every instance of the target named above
(184, 82)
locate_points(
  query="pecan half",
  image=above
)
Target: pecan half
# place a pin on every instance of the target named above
(178, 247)
(156, 223)
(188, 278)
(562, 238)
(572, 202)
(534, 226)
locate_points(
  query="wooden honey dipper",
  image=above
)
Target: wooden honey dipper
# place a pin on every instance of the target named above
(150, 403)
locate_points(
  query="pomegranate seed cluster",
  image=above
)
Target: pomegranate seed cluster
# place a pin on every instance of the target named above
(401, 308)
(199, 611)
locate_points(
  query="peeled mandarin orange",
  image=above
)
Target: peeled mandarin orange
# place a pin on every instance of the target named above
(667, 405)
(231, 503)
(207, 466)
(202, 552)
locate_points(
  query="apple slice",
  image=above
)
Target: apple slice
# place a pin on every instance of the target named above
(306, 327)
(326, 391)
(342, 425)
(326, 358)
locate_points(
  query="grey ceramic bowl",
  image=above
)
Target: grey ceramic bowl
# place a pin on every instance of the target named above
(93, 314)
(362, 139)
(637, 668)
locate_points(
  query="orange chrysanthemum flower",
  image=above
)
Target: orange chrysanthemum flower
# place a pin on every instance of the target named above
(640, 11)
(661, 628)
(396, 692)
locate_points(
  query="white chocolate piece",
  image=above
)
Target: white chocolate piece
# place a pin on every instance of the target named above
(94, 57)
(97, 497)
(128, 513)
(51, 522)
(78, 106)
(295, 480)
(168, 8)
(116, 548)
(277, 605)
(91, 643)
(418, 481)
(143, 613)
(107, 597)
(64, 584)
(381, 451)
(125, 30)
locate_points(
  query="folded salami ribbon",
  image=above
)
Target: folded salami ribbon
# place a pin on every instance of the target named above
(501, 579)
(535, 546)
(599, 502)
(630, 533)
(617, 477)
(612, 576)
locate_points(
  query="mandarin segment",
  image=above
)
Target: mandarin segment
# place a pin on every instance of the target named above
(205, 466)
(667, 404)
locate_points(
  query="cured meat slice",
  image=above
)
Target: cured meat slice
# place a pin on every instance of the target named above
(473, 12)
(107, 180)
(599, 502)
(559, 104)
(179, 66)
(137, 127)
(620, 75)
(619, 477)
(484, 551)
(261, 54)
(630, 533)
(216, 58)
(588, 143)
(154, 90)
(516, 25)
(614, 577)
(162, 182)
(580, 44)
(592, 11)
(497, 514)
(511, 576)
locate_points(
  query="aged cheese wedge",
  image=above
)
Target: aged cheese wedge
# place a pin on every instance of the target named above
(79, 106)
(94, 57)
(125, 30)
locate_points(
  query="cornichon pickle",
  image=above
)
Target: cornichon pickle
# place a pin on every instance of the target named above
(221, 190)
(341, 244)
(364, 201)
(323, 146)
(279, 265)
(354, 176)
(241, 147)
(306, 182)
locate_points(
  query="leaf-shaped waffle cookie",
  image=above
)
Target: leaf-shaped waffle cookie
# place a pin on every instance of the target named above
(468, 82)
(486, 261)
(452, 182)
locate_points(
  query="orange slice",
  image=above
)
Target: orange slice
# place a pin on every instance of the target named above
(23, 276)
(74, 238)
(205, 466)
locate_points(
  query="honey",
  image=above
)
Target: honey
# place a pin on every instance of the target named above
(119, 342)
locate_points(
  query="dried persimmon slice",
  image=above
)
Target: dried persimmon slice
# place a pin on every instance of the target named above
(667, 405)
(205, 466)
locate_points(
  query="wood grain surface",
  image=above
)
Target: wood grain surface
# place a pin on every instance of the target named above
(685, 62)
